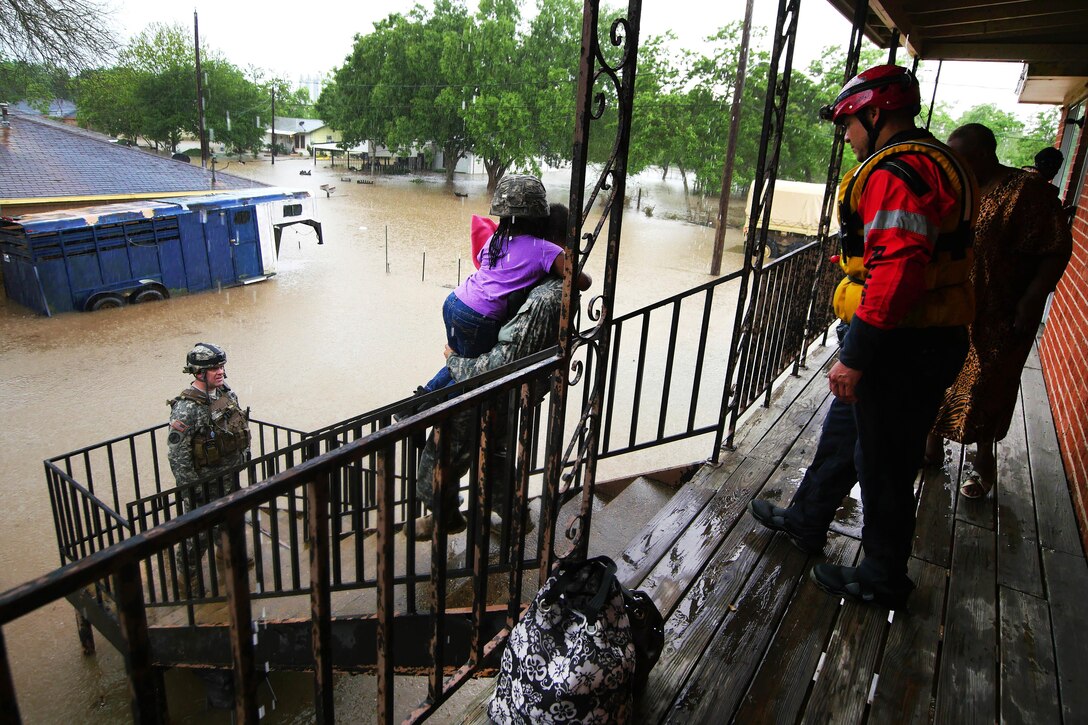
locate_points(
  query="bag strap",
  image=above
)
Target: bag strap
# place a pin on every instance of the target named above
(566, 578)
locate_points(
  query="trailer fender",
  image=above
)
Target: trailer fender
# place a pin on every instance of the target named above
(150, 292)
(103, 301)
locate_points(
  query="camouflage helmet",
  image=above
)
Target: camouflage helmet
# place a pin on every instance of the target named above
(519, 195)
(204, 356)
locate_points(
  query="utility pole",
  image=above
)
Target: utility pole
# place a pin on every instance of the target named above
(200, 97)
(731, 150)
(273, 125)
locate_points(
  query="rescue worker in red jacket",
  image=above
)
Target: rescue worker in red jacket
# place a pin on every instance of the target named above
(907, 212)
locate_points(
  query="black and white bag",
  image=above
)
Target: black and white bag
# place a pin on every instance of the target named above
(573, 656)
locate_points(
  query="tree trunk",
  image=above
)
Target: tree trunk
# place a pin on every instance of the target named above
(495, 171)
(664, 170)
(450, 156)
(684, 176)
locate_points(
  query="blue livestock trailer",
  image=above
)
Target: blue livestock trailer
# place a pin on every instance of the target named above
(108, 256)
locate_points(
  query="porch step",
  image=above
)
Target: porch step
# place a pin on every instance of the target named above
(616, 523)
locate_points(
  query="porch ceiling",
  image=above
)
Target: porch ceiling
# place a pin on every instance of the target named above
(1049, 36)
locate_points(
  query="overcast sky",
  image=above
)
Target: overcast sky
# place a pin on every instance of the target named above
(303, 40)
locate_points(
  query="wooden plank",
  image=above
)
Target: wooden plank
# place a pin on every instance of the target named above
(967, 680)
(793, 459)
(717, 683)
(661, 532)
(795, 652)
(673, 575)
(1029, 678)
(936, 504)
(9, 703)
(697, 615)
(1053, 505)
(811, 404)
(1018, 564)
(904, 691)
(246, 707)
(145, 695)
(793, 391)
(841, 690)
(1067, 591)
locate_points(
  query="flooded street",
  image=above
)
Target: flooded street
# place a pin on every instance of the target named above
(330, 336)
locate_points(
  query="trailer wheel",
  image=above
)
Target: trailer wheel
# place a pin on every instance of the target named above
(148, 293)
(104, 301)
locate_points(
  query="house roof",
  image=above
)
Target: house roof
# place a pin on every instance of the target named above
(1050, 37)
(288, 125)
(58, 108)
(45, 161)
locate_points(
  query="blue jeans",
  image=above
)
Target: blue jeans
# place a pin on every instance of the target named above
(468, 333)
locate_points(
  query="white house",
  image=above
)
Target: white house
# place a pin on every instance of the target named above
(298, 134)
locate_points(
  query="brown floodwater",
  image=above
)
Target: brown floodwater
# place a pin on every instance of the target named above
(333, 334)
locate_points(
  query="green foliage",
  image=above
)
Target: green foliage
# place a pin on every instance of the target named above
(1017, 142)
(151, 94)
(488, 83)
(36, 83)
(405, 83)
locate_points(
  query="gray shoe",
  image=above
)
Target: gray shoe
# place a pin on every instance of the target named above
(221, 561)
(496, 524)
(422, 529)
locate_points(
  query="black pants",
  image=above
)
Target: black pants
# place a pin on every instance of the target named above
(898, 398)
(880, 441)
(828, 478)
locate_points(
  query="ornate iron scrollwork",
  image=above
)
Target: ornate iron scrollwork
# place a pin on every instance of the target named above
(605, 87)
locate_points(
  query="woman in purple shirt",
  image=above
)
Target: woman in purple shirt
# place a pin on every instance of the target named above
(516, 258)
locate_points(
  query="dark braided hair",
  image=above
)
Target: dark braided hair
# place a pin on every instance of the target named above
(510, 227)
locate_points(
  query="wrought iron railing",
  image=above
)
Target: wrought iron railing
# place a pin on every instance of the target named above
(354, 479)
(91, 488)
(125, 563)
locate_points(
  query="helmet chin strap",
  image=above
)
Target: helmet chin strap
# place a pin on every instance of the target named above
(872, 129)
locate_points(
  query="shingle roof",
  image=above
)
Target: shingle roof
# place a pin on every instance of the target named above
(43, 159)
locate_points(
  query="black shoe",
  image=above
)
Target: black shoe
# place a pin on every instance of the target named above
(412, 409)
(774, 518)
(844, 581)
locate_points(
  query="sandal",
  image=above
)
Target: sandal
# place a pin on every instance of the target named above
(975, 487)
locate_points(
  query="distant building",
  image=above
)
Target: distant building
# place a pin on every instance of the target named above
(299, 134)
(60, 109)
(46, 165)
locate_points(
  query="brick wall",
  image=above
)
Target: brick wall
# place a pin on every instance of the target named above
(1064, 352)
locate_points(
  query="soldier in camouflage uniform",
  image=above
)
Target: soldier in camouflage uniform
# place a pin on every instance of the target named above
(209, 437)
(535, 327)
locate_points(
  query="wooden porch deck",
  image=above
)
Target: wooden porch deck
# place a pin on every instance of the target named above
(991, 633)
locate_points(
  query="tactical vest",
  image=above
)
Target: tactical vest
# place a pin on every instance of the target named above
(949, 298)
(228, 433)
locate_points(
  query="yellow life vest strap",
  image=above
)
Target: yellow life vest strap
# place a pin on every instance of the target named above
(853, 185)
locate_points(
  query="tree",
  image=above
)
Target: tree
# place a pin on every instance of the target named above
(35, 83)
(479, 83)
(107, 102)
(69, 34)
(550, 54)
(1016, 145)
(657, 135)
(151, 93)
(392, 88)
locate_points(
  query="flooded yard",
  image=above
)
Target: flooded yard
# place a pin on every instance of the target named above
(342, 328)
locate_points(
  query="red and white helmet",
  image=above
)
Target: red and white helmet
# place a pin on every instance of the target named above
(882, 86)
